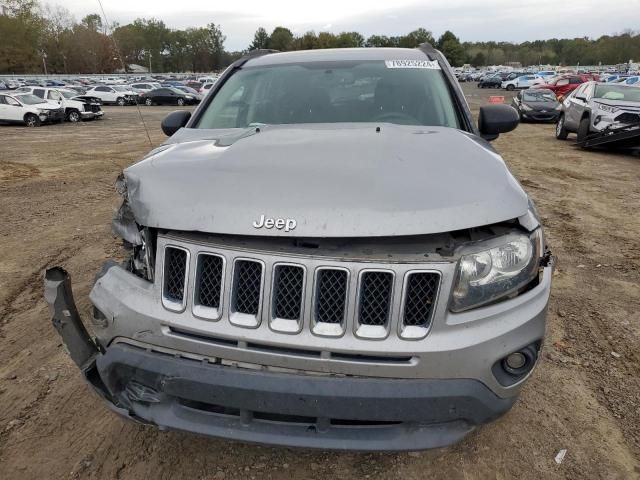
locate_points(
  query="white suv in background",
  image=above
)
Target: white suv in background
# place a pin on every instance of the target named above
(114, 94)
(74, 110)
(28, 109)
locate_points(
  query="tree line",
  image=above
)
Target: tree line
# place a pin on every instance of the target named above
(34, 37)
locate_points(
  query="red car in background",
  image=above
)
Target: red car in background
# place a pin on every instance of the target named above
(562, 86)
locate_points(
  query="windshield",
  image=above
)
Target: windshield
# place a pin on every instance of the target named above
(67, 94)
(617, 92)
(29, 99)
(539, 96)
(332, 92)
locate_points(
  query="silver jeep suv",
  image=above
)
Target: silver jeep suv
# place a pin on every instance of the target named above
(327, 253)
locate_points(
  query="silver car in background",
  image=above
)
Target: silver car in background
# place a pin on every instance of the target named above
(595, 107)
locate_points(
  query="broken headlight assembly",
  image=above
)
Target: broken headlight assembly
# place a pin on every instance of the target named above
(496, 269)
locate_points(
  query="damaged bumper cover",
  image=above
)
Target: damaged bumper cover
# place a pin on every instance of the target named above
(329, 412)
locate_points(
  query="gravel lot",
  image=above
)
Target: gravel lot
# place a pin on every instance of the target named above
(56, 201)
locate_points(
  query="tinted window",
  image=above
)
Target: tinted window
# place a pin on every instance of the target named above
(575, 80)
(38, 92)
(331, 92)
(2, 101)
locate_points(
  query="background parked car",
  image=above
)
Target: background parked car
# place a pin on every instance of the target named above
(492, 81)
(594, 107)
(167, 96)
(113, 94)
(190, 91)
(564, 85)
(74, 108)
(88, 108)
(145, 86)
(537, 105)
(631, 80)
(28, 109)
(522, 81)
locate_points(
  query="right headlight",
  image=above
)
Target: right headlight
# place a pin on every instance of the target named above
(496, 269)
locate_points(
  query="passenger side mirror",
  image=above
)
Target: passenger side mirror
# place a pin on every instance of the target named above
(496, 119)
(175, 121)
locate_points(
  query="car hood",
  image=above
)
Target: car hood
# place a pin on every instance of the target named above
(338, 180)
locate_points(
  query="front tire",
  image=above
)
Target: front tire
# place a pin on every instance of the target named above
(180, 102)
(583, 129)
(73, 116)
(510, 88)
(31, 120)
(148, 102)
(120, 102)
(561, 131)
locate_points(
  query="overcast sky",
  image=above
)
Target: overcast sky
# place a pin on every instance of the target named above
(470, 20)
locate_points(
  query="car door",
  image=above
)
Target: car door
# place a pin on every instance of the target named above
(54, 98)
(13, 110)
(576, 108)
(4, 109)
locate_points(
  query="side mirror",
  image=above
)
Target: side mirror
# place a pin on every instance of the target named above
(580, 98)
(497, 119)
(175, 121)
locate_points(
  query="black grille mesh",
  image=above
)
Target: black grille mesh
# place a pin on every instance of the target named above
(331, 296)
(248, 276)
(209, 281)
(175, 269)
(375, 298)
(420, 297)
(287, 292)
(628, 117)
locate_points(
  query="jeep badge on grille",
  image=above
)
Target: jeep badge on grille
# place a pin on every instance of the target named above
(286, 224)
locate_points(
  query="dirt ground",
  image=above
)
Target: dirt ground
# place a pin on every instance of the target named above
(56, 201)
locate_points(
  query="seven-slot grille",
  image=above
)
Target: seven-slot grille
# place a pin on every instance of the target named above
(373, 294)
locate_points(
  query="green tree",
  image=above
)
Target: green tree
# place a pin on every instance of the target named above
(451, 48)
(93, 22)
(260, 39)
(281, 39)
(416, 38)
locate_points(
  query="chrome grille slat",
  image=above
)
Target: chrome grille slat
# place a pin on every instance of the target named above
(420, 297)
(375, 298)
(331, 296)
(209, 286)
(175, 276)
(287, 292)
(247, 287)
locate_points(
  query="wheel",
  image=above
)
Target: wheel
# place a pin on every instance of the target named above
(73, 116)
(583, 129)
(180, 102)
(148, 102)
(120, 101)
(510, 88)
(31, 120)
(561, 132)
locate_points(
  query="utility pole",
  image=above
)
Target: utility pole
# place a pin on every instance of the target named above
(149, 62)
(44, 62)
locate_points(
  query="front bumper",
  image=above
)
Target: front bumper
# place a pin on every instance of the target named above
(548, 116)
(147, 375)
(87, 115)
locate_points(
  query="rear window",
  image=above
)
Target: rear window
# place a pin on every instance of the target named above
(332, 92)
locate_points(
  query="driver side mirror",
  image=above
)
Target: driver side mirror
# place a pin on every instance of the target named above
(496, 119)
(175, 121)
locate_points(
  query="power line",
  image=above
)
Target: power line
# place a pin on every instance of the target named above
(124, 69)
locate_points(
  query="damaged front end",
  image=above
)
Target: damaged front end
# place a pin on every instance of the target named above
(138, 241)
